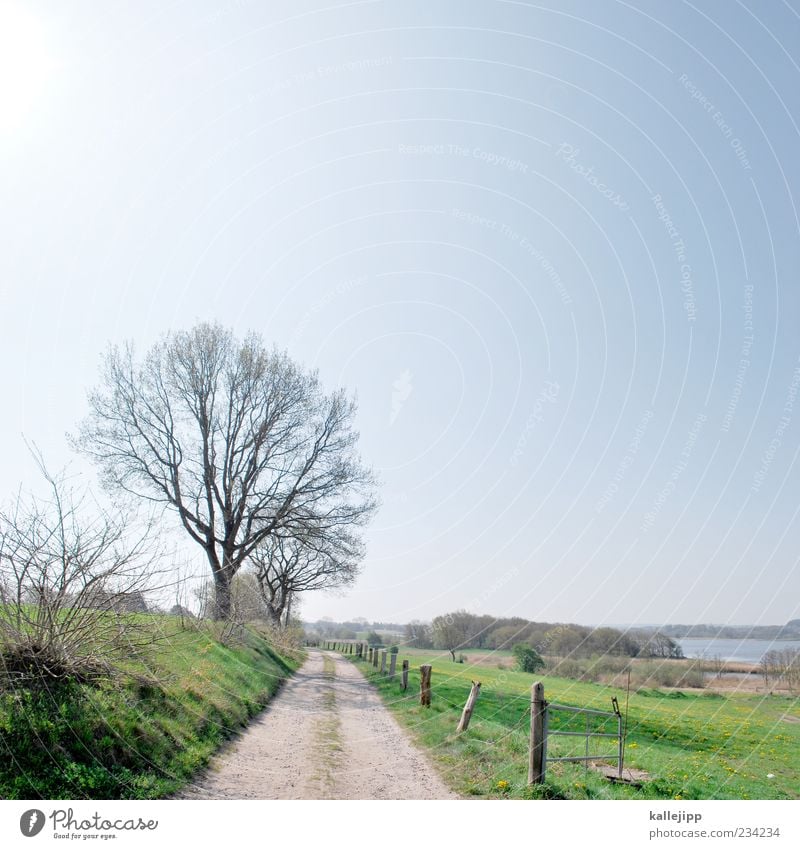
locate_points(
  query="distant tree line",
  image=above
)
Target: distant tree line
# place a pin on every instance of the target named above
(789, 631)
(463, 630)
(375, 633)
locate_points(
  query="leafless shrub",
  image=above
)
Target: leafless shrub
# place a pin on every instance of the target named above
(781, 665)
(70, 575)
(612, 669)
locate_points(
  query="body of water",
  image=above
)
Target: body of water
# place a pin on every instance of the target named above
(744, 651)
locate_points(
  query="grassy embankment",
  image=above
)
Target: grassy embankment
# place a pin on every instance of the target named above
(143, 733)
(693, 745)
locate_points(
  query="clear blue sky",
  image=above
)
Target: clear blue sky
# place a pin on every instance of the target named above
(552, 247)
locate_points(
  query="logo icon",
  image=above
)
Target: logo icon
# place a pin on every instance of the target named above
(401, 390)
(31, 822)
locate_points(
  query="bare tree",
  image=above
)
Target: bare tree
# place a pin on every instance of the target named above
(418, 635)
(660, 645)
(781, 665)
(451, 631)
(237, 440)
(285, 567)
(70, 575)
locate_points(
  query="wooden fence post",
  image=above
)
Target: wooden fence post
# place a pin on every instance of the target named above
(404, 685)
(536, 764)
(425, 685)
(375, 658)
(392, 666)
(383, 662)
(466, 715)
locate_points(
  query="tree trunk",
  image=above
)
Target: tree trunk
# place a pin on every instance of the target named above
(288, 614)
(453, 654)
(274, 613)
(221, 607)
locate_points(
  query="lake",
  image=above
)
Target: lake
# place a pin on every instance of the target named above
(745, 651)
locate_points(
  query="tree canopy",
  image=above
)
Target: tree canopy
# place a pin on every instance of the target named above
(240, 442)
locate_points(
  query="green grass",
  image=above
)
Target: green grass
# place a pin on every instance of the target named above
(693, 746)
(327, 741)
(143, 734)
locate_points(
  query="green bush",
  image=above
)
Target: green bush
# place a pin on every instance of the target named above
(528, 659)
(136, 735)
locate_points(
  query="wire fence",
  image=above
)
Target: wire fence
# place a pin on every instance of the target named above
(557, 733)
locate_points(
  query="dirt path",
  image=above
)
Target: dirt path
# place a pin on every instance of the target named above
(326, 735)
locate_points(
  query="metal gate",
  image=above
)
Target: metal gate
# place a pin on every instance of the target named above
(575, 723)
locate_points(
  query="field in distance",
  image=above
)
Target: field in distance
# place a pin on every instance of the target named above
(684, 674)
(692, 744)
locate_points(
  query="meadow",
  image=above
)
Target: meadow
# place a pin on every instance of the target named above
(690, 744)
(145, 731)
